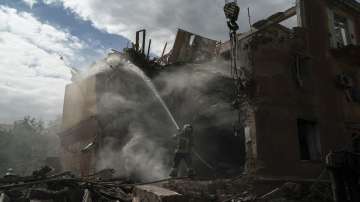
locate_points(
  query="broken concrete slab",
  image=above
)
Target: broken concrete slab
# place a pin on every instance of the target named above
(153, 193)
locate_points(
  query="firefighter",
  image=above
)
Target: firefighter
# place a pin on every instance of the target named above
(183, 150)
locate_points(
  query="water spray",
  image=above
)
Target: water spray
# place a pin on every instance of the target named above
(152, 87)
(157, 95)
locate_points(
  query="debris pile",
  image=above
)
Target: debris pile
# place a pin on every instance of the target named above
(246, 188)
(43, 185)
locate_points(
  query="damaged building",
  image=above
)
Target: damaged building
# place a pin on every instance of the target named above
(103, 118)
(302, 84)
(304, 107)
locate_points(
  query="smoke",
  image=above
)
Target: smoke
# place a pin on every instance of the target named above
(201, 90)
(202, 95)
(137, 125)
(140, 158)
(28, 144)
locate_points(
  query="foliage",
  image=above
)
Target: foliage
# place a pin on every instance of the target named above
(25, 147)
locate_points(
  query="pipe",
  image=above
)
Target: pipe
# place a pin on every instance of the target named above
(148, 52)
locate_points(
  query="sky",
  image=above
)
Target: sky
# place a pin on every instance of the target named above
(42, 40)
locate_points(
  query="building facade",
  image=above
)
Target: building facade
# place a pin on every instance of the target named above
(304, 85)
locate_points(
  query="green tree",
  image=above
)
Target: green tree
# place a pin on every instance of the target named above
(25, 147)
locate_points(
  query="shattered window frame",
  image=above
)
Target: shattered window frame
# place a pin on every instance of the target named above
(341, 30)
(309, 140)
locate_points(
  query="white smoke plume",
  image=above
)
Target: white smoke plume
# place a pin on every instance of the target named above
(140, 158)
(138, 127)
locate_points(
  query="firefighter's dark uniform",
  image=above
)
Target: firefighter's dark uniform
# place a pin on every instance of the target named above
(183, 151)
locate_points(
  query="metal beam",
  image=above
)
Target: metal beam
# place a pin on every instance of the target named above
(272, 20)
(137, 44)
(148, 52)
(162, 55)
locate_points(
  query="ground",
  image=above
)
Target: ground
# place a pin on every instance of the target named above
(247, 188)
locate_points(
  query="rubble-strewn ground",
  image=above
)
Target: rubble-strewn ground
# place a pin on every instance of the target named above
(64, 186)
(250, 189)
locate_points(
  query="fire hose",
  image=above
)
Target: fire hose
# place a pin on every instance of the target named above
(202, 160)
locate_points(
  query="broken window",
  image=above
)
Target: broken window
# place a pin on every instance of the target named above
(191, 40)
(341, 28)
(301, 68)
(309, 140)
(298, 73)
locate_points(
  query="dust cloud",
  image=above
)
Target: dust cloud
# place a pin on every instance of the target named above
(138, 126)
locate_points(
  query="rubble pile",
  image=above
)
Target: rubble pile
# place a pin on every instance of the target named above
(63, 187)
(246, 188)
(43, 185)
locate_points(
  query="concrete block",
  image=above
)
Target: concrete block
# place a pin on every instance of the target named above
(153, 193)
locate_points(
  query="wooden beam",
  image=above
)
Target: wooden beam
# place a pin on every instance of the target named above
(272, 20)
